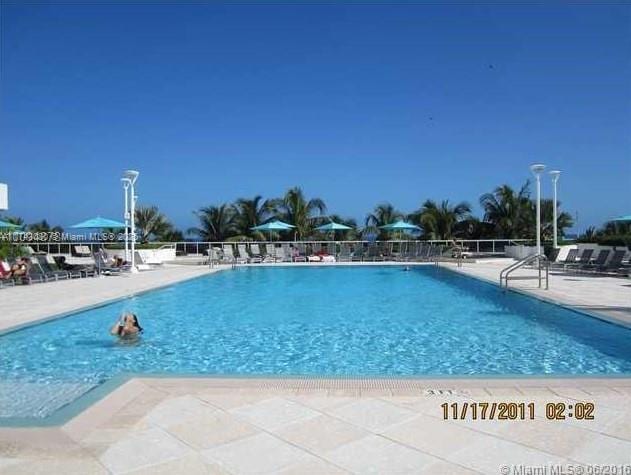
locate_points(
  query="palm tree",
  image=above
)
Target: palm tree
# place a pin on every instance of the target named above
(383, 214)
(564, 220)
(473, 228)
(509, 211)
(590, 235)
(170, 235)
(294, 209)
(43, 227)
(151, 222)
(217, 223)
(439, 220)
(250, 213)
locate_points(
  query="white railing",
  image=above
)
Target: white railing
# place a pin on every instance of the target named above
(481, 247)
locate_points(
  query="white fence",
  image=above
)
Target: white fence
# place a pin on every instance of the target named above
(520, 252)
(168, 251)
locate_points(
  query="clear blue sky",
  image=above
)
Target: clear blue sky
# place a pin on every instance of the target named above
(358, 104)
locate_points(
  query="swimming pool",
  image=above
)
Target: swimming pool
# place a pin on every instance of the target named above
(344, 321)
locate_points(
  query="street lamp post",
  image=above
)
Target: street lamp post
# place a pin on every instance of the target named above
(131, 176)
(126, 185)
(537, 169)
(555, 178)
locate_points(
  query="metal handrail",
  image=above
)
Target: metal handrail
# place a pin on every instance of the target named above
(505, 273)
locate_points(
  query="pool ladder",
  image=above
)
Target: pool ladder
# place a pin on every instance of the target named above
(543, 266)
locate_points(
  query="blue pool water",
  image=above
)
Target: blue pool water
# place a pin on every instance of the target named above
(347, 321)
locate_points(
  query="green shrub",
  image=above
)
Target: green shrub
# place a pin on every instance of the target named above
(10, 251)
(615, 240)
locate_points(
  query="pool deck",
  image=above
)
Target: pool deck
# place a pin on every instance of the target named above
(323, 426)
(608, 298)
(230, 426)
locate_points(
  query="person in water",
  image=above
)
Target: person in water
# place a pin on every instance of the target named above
(127, 326)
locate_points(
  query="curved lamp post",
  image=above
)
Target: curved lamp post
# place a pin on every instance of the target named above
(129, 181)
(537, 169)
(555, 178)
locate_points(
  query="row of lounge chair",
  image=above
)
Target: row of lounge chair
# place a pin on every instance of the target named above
(41, 268)
(317, 252)
(606, 262)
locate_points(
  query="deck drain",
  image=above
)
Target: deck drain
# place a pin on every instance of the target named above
(444, 392)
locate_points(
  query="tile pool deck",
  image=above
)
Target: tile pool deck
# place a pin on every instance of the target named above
(608, 298)
(202, 426)
(214, 425)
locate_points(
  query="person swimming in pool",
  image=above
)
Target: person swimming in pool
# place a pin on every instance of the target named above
(127, 326)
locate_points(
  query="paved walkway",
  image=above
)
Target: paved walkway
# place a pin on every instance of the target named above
(606, 297)
(219, 426)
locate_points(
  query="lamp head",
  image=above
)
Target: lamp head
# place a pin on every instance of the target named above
(131, 175)
(537, 169)
(555, 174)
(126, 182)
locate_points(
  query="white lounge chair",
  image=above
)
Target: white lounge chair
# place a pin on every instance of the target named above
(228, 254)
(243, 254)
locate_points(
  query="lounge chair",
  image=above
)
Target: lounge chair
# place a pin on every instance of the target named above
(327, 258)
(228, 251)
(615, 265)
(299, 253)
(80, 251)
(256, 252)
(314, 255)
(407, 252)
(142, 263)
(599, 262)
(228, 254)
(243, 254)
(569, 259)
(374, 253)
(105, 268)
(270, 253)
(358, 253)
(51, 265)
(287, 251)
(281, 254)
(51, 269)
(585, 259)
(345, 254)
(5, 275)
(34, 274)
(40, 265)
(214, 255)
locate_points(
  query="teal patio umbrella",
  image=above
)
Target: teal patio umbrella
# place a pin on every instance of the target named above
(333, 226)
(98, 223)
(400, 226)
(275, 225)
(6, 224)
